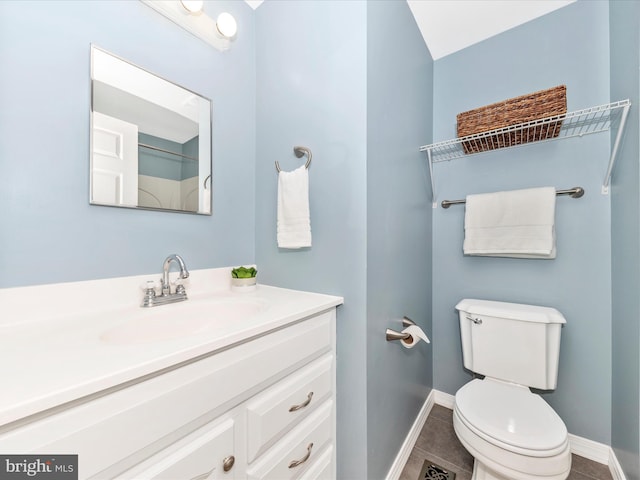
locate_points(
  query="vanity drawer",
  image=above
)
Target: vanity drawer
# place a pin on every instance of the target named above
(276, 410)
(303, 445)
(322, 468)
(133, 423)
(204, 454)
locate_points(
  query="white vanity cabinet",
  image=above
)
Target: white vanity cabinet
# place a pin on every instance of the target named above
(263, 408)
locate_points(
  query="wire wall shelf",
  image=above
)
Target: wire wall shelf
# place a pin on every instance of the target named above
(572, 124)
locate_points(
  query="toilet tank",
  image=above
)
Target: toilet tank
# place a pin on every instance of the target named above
(511, 341)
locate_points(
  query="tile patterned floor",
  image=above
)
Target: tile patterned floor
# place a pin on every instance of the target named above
(438, 443)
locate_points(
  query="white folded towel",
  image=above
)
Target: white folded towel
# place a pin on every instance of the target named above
(294, 224)
(518, 224)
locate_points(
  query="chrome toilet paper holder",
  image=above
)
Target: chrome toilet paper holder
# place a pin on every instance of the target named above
(392, 335)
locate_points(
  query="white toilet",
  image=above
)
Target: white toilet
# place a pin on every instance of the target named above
(512, 433)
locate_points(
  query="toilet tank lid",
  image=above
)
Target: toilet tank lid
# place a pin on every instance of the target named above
(513, 311)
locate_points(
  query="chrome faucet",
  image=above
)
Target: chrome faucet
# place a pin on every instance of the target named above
(184, 273)
(166, 296)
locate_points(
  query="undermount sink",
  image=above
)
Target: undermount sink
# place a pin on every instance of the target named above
(182, 319)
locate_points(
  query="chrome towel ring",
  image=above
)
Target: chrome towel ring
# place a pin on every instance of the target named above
(299, 152)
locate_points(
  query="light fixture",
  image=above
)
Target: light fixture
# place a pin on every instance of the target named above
(226, 25)
(194, 7)
(190, 15)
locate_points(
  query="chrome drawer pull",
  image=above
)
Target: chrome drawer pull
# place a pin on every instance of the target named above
(295, 408)
(296, 463)
(227, 463)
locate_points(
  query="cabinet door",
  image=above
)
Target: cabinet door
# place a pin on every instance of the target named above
(206, 454)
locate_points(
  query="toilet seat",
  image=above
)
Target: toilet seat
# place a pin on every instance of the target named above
(513, 434)
(511, 417)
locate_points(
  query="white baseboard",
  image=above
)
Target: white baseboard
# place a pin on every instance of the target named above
(598, 452)
(407, 446)
(615, 468)
(443, 399)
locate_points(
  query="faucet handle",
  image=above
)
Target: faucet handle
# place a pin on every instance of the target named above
(149, 286)
(180, 285)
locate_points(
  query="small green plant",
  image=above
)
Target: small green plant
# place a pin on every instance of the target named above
(243, 272)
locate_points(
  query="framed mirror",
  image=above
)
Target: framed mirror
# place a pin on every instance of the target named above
(150, 140)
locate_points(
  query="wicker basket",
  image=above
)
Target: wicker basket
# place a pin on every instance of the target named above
(527, 108)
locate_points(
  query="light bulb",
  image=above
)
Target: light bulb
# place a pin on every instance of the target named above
(226, 25)
(194, 7)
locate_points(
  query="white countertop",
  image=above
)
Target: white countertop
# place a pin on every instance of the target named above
(62, 357)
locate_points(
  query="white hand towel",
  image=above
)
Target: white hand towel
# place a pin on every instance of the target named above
(518, 224)
(294, 224)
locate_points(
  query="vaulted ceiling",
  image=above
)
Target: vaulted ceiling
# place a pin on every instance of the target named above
(451, 25)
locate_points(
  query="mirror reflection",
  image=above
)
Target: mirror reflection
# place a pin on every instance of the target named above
(150, 140)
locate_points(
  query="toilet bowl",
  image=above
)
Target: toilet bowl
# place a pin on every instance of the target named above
(512, 433)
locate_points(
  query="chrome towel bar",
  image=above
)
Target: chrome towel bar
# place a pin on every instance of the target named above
(576, 192)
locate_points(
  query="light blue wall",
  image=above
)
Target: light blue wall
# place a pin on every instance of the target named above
(312, 91)
(399, 120)
(329, 81)
(159, 164)
(571, 47)
(155, 163)
(625, 238)
(191, 149)
(49, 232)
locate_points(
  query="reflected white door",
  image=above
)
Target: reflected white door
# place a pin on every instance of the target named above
(114, 177)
